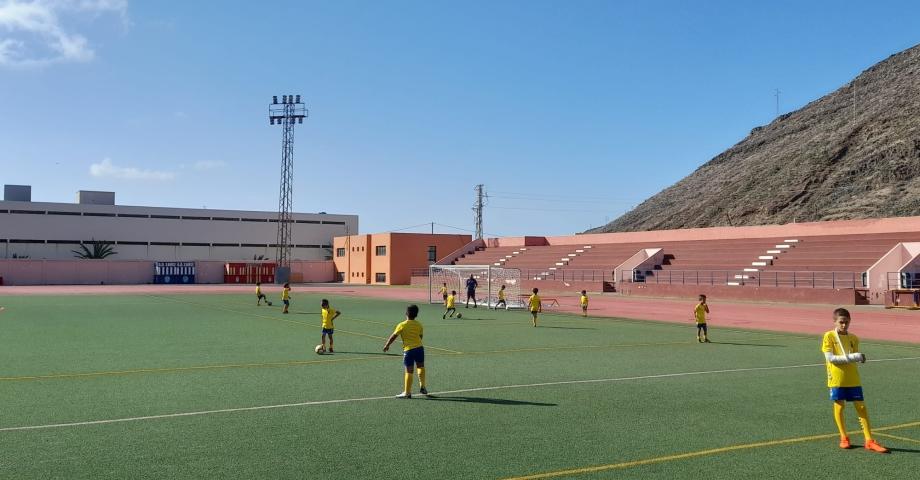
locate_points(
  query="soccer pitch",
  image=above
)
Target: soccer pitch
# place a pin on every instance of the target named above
(212, 386)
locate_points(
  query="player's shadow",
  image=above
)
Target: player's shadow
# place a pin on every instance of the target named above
(490, 401)
(566, 328)
(469, 319)
(343, 352)
(903, 450)
(749, 344)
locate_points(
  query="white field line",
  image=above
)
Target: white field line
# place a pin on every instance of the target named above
(464, 390)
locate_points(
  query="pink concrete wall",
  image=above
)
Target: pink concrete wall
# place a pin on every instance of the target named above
(76, 272)
(844, 296)
(314, 271)
(790, 230)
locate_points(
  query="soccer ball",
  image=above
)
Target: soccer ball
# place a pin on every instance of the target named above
(459, 315)
(269, 304)
(319, 349)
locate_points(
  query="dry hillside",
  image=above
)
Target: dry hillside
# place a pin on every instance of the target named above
(854, 153)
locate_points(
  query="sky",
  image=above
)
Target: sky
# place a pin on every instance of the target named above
(569, 112)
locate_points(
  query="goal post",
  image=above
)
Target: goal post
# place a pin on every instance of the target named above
(489, 278)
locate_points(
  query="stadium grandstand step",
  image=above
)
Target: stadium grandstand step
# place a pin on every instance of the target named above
(751, 270)
(759, 264)
(790, 241)
(734, 284)
(774, 251)
(766, 257)
(783, 246)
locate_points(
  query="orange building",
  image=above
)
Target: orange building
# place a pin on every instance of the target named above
(389, 258)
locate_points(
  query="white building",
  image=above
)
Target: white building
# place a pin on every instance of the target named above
(40, 230)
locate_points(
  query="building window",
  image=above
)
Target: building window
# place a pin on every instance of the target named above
(432, 254)
(381, 251)
(339, 252)
(380, 278)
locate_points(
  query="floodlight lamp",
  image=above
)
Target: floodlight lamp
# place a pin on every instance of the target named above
(298, 99)
(271, 120)
(300, 120)
(290, 99)
(275, 99)
(284, 99)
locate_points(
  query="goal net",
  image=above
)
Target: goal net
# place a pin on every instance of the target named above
(490, 279)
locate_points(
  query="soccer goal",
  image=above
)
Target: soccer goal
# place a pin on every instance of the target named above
(489, 278)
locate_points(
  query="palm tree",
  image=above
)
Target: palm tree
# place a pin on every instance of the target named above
(100, 250)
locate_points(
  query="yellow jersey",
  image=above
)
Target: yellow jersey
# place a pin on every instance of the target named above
(846, 375)
(584, 300)
(700, 313)
(411, 333)
(450, 301)
(286, 294)
(258, 290)
(328, 315)
(443, 291)
(534, 303)
(501, 294)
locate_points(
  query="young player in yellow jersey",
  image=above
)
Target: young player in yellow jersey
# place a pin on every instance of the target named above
(584, 303)
(841, 354)
(286, 297)
(329, 315)
(449, 305)
(535, 305)
(501, 298)
(261, 296)
(411, 332)
(699, 314)
(443, 291)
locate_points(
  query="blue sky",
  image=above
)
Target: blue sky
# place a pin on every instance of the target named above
(569, 112)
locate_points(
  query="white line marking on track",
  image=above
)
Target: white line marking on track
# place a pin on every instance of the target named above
(463, 390)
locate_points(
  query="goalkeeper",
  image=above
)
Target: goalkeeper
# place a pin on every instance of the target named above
(841, 352)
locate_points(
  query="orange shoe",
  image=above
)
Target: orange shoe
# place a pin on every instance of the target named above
(875, 447)
(844, 442)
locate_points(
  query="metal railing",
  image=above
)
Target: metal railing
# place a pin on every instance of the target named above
(769, 278)
(898, 280)
(564, 275)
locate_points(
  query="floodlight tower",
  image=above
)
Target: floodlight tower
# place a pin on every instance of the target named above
(286, 113)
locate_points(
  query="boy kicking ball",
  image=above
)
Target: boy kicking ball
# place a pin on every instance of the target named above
(413, 352)
(449, 308)
(841, 354)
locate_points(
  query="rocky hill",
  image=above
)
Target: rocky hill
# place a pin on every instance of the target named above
(854, 153)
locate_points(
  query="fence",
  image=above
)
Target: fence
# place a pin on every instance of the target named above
(564, 275)
(898, 280)
(770, 278)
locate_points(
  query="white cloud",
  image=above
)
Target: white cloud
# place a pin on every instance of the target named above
(106, 169)
(32, 33)
(209, 164)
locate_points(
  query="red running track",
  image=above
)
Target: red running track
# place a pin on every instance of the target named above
(870, 322)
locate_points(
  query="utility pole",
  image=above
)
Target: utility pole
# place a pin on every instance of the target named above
(286, 114)
(776, 94)
(477, 210)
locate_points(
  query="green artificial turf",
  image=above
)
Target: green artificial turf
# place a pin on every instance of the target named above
(68, 359)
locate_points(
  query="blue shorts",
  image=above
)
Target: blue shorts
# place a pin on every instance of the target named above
(471, 293)
(328, 331)
(286, 302)
(849, 394)
(414, 356)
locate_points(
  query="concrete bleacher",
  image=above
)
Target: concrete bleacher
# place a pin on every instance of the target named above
(795, 256)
